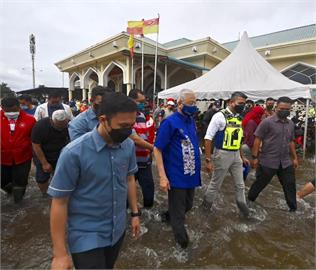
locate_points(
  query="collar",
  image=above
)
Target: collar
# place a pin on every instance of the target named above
(227, 109)
(277, 119)
(99, 142)
(91, 114)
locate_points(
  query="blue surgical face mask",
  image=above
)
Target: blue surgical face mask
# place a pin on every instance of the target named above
(141, 106)
(24, 107)
(189, 109)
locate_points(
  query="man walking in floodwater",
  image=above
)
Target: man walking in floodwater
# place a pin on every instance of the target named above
(178, 161)
(225, 133)
(93, 179)
(278, 155)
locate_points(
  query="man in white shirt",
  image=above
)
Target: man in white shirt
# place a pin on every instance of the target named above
(225, 134)
(54, 103)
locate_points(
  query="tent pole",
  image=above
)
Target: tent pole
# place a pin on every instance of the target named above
(305, 128)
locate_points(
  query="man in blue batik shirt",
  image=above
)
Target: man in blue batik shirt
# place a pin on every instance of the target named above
(178, 161)
(93, 179)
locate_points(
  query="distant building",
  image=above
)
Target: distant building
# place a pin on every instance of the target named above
(108, 63)
(41, 92)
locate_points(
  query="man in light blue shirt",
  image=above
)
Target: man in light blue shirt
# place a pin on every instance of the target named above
(93, 179)
(88, 120)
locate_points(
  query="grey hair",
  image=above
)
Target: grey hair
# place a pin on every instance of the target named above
(183, 93)
(59, 115)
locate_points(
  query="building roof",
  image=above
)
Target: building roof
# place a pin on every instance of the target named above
(287, 35)
(176, 42)
(186, 63)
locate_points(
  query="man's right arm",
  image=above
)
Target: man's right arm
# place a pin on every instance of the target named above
(164, 182)
(41, 156)
(58, 220)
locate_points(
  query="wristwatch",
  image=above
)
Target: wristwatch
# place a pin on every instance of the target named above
(207, 160)
(137, 214)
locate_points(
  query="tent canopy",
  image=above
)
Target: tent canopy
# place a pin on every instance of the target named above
(243, 70)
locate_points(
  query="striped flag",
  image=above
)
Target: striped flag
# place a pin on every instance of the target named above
(151, 26)
(130, 44)
(135, 27)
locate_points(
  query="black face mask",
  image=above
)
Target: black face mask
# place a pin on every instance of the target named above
(118, 135)
(239, 108)
(283, 114)
(269, 107)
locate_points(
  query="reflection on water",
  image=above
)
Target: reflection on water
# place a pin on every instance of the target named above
(220, 238)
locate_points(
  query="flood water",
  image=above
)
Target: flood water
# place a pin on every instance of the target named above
(272, 238)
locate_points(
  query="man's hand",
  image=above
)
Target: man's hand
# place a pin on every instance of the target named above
(209, 166)
(135, 227)
(245, 161)
(295, 163)
(47, 167)
(164, 184)
(62, 263)
(255, 163)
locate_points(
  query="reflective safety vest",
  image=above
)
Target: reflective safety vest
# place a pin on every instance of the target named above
(230, 138)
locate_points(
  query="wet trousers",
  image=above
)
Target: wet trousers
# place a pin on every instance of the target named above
(145, 179)
(98, 258)
(180, 201)
(286, 177)
(14, 179)
(227, 161)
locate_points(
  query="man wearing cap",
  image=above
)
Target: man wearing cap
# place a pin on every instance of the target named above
(49, 136)
(169, 109)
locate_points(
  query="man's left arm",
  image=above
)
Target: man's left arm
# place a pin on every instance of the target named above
(293, 154)
(132, 200)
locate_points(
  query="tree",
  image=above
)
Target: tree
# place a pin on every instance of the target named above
(5, 90)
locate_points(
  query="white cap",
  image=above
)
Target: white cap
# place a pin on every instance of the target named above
(59, 115)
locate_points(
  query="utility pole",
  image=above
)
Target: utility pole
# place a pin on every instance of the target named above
(32, 51)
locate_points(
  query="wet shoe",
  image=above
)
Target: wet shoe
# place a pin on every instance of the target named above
(18, 194)
(183, 241)
(292, 210)
(206, 205)
(165, 217)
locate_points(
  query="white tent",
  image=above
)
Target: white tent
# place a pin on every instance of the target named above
(243, 70)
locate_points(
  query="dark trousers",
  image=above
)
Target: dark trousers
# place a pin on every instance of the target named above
(145, 179)
(286, 177)
(14, 179)
(180, 201)
(98, 258)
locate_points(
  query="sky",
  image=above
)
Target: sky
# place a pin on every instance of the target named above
(64, 27)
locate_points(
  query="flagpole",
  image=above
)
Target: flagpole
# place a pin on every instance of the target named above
(142, 63)
(133, 72)
(156, 60)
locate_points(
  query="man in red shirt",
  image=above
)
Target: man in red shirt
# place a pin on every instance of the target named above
(16, 147)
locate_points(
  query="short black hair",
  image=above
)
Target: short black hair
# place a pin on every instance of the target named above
(284, 100)
(100, 90)
(54, 93)
(134, 93)
(116, 102)
(9, 102)
(25, 97)
(249, 101)
(238, 94)
(270, 99)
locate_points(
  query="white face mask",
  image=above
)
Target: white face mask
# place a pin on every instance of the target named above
(12, 115)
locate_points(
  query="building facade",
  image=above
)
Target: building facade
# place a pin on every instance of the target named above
(108, 63)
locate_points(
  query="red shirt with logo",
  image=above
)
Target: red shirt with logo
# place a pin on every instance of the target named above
(16, 145)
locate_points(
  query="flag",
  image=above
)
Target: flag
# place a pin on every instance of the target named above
(151, 26)
(130, 44)
(135, 27)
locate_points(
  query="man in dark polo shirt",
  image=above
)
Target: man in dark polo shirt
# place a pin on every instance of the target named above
(49, 136)
(277, 156)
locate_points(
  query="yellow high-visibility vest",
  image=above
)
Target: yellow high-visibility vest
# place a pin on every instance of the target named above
(233, 132)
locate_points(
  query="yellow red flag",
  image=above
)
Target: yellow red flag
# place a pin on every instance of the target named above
(151, 26)
(135, 27)
(130, 44)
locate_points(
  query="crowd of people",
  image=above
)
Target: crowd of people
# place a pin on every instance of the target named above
(90, 164)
